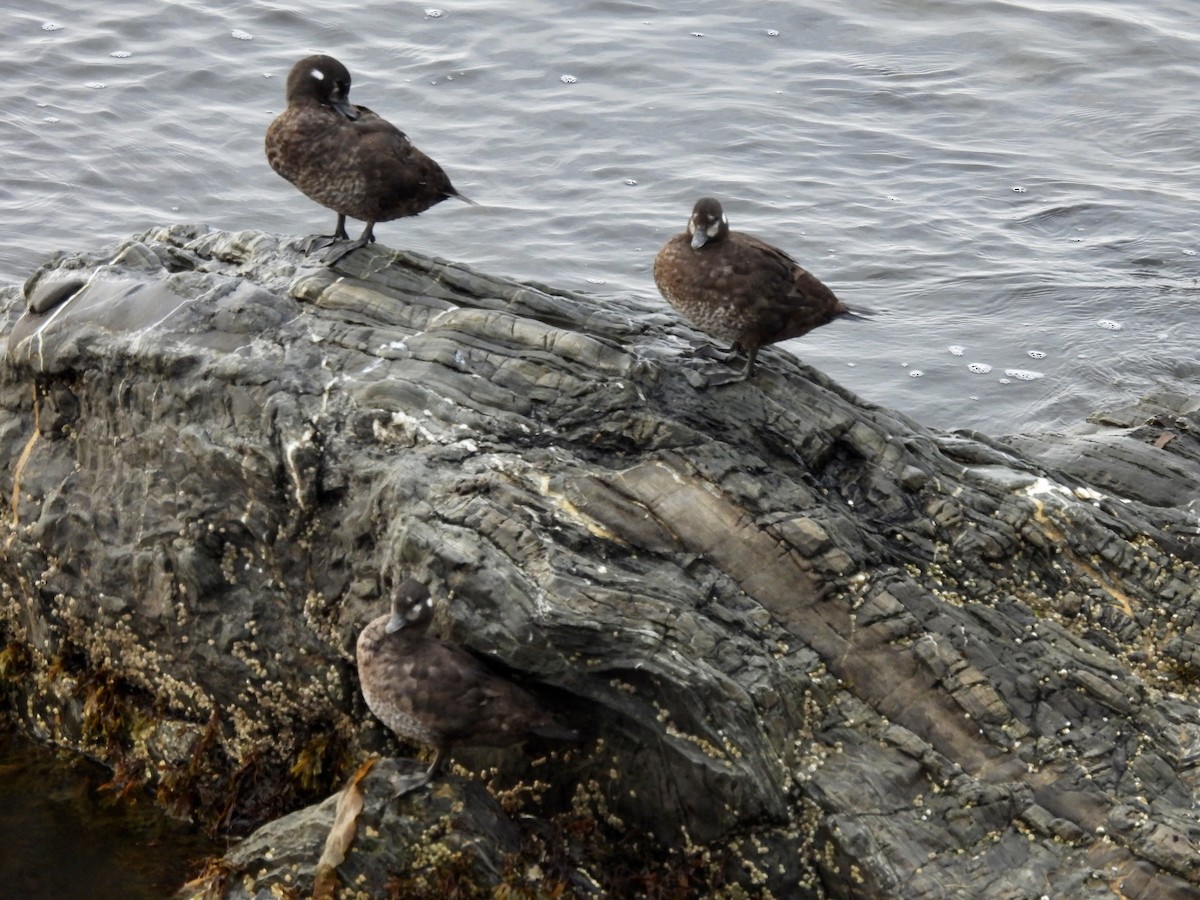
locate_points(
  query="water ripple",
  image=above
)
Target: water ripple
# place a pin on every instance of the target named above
(999, 179)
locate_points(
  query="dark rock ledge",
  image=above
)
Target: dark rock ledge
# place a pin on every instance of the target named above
(819, 649)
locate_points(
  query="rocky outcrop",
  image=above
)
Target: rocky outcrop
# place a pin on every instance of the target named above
(817, 649)
(423, 845)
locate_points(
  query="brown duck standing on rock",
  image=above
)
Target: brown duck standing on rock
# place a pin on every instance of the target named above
(739, 288)
(348, 158)
(439, 694)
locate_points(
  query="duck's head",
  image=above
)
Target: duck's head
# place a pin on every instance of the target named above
(708, 223)
(324, 80)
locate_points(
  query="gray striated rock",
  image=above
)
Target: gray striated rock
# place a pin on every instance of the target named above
(454, 822)
(820, 649)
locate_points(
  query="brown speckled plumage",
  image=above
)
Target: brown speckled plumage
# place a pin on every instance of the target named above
(439, 694)
(739, 288)
(346, 157)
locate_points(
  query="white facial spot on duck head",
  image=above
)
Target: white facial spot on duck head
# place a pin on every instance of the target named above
(715, 226)
(419, 611)
(318, 74)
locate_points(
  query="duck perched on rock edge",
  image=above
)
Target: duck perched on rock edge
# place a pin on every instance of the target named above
(739, 288)
(347, 157)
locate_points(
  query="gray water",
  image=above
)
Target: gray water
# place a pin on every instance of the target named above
(1014, 180)
(64, 837)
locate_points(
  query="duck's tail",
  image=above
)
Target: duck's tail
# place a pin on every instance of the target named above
(858, 312)
(556, 732)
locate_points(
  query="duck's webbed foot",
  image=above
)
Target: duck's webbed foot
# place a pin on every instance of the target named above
(406, 784)
(712, 351)
(317, 242)
(339, 250)
(701, 376)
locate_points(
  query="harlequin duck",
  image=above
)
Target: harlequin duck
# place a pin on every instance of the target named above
(439, 694)
(348, 158)
(739, 288)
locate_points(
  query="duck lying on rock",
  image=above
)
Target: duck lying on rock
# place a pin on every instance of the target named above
(437, 693)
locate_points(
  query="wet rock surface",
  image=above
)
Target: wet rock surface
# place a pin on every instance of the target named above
(817, 648)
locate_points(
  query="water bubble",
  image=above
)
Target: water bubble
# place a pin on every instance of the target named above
(697, 34)
(567, 79)
(772, 32)
(1004, 381)
(631, 181)
(1189, 252)
(915, 373)
(1023, 374)
(956, 350)
(596, 281)
(1110, 325)
(241, 35)
(1020, 190)
(980, 368)
(434, 13)
(851, 365)
(50, 119)
(120, 54)
(51, 26)
(1037, 354)
(96, 85)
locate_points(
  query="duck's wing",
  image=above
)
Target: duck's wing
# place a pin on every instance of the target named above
(788, 299)
(395, 167)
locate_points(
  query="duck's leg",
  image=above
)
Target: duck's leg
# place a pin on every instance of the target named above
(337, 252)
(321, 241)
(439, 756)
(751, 357)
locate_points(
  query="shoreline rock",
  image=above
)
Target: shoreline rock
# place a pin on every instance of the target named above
(825, 649)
